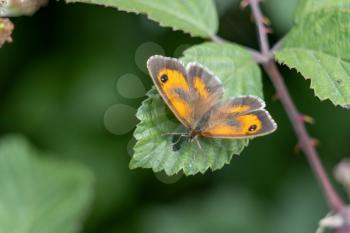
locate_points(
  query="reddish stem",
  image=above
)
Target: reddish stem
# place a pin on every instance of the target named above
(305, 142)
(304, 139)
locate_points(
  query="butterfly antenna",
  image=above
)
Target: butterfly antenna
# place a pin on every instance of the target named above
(166, 134)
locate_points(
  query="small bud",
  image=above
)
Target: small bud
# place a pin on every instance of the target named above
(336, 221)
(6, 28)
(332, 221)
(10, 8)
(342, 174)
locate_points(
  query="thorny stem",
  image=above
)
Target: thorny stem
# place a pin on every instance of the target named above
(265, 57)
(305, 142)
(304, 139)
(263, 40)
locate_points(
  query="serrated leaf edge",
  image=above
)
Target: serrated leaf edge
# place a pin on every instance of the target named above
(150, 17)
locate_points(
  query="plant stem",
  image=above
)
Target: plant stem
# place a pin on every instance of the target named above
(257, 56)
(304, 139)
(263, 40)
(305, 142)
(217, 39)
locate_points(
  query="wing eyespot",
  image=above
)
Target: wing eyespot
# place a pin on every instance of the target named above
(164, 78)
(252, 128)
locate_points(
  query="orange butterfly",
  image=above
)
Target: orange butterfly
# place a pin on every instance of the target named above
(194, 95)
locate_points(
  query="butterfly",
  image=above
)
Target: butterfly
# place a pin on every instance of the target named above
(194, 94)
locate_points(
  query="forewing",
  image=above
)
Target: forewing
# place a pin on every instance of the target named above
(239, 117)
(170, 78)
(206, 87)
(205, 83)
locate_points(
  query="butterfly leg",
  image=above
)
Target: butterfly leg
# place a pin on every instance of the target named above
(178, 139)
(198, 144)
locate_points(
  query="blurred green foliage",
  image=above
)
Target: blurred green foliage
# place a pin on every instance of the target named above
(40, 195)
(59, 78)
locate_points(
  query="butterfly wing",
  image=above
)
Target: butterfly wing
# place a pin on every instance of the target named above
(206, 88)
(239, 117)
(189, 92)
(170, 78)
(205, 84)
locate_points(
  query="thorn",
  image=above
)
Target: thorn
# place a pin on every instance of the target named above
(244, 4)
(265, 20)
(300, 118)
(307, 119)
(313, 141)
(268, 30)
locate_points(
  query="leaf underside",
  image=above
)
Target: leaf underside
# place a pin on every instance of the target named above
(39, 195)
(239, 75)
(318, 47)
(196, 17)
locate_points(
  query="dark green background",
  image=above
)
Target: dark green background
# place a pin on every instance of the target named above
(58, 78)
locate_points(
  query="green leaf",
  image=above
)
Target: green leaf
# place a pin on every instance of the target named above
(306, 7)
(239, 74)
(197, 17)
(319, 48)
(233, 64)
(40, 195)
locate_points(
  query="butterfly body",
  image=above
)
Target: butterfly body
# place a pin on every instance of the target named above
(194, 95)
